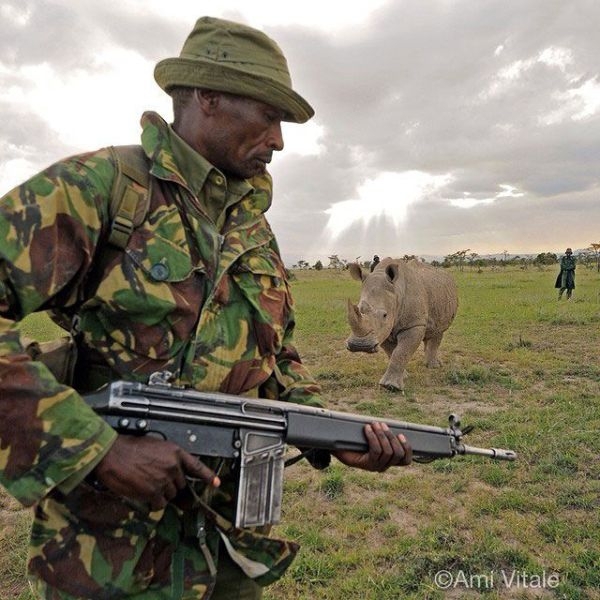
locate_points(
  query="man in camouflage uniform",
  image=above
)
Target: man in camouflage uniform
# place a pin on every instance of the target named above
(198, 289)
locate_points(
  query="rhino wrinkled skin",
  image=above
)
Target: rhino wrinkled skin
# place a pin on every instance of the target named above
(402, 304)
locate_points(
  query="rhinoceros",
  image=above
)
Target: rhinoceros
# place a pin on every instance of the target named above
(402, 304)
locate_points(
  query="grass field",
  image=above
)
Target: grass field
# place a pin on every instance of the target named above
(521, 367)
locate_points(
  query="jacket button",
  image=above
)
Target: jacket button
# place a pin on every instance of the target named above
(159, 272)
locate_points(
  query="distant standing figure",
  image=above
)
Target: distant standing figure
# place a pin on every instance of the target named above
(374, 263)
(566, 277)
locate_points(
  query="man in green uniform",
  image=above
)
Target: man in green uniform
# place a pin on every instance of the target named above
(566, 277)
(197, 287)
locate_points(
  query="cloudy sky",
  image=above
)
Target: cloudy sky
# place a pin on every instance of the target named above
(440, 125)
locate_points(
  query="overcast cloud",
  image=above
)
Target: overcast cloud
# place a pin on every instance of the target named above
(440, 125)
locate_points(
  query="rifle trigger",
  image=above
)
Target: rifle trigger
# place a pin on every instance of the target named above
(294, 459)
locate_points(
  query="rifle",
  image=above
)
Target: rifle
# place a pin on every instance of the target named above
(255, 432)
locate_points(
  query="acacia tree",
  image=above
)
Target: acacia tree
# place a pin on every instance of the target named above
(458, 258)
(595, 248)
(545, 258)
(472, 258)
(335, 262)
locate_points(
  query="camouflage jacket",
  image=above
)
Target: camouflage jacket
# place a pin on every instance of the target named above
(212, 306)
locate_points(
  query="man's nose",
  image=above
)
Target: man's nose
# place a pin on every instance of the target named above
(276, 137)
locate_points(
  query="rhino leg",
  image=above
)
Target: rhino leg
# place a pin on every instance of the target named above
(407, 343)
(432, 345)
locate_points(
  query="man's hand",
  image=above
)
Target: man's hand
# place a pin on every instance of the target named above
(385, 450)
(150, 470)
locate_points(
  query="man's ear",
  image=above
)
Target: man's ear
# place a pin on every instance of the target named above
(207, 99)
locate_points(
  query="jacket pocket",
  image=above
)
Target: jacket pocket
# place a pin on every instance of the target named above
(261, 281)
(148, 300)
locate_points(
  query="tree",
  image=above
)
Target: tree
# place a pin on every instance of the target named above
(318, 266)
(472, 257)
(545, 258)
(458, 259)
(335, 262)
(595, 248)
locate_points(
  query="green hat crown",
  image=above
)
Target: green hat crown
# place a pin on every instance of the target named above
(230, 57)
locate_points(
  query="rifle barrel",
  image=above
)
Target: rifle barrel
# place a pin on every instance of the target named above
(497, 453)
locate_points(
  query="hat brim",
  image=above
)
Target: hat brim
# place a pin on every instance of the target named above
(187, 72)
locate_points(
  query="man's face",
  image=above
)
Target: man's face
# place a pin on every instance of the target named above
(241, 136)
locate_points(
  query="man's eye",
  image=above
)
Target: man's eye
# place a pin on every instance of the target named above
(274, 117)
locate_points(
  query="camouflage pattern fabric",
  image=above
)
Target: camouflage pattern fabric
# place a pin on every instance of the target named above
(213, 306)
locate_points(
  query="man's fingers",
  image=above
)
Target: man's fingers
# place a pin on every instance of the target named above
(198, 470)
(179, 480)
(150, 470)
(164, 493)
(169, 490)
(382, 450)
(385, 448)
(408, 453)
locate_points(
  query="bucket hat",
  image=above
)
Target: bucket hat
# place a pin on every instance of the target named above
(231, 57)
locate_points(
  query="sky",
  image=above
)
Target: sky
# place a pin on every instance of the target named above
(440, 125)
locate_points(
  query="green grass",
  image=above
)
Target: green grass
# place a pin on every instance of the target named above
(14, 530)
(523, 369)
(520, 366)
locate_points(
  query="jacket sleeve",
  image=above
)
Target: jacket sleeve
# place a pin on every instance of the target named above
(296, 384)
(50, 227)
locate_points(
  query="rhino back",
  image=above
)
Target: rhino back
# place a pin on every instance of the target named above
(426, 294)
(442, 296)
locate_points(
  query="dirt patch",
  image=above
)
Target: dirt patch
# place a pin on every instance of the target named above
(407, 522)
(459, 403)
(8, 503)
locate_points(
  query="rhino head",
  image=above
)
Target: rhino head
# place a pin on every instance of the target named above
(372, 319)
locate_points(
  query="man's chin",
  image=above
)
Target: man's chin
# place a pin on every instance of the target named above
(249, 171)
(258, 168)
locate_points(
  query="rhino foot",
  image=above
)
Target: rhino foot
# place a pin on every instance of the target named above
(391, 386)
(433, 364)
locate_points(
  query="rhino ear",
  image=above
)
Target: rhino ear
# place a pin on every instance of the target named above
(391, 272)
(356, 272)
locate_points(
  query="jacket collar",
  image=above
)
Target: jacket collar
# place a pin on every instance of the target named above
(156, 145)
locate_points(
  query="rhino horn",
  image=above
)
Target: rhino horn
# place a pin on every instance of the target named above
(353, 316)
(355, 319)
